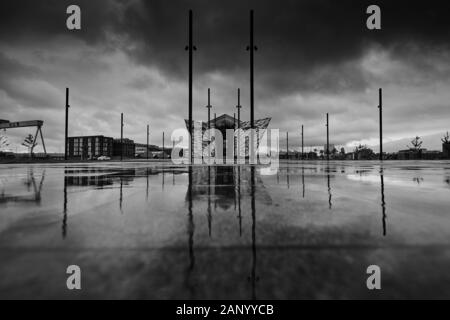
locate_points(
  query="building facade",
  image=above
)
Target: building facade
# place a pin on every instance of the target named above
(90, 147)
(223, 123)
(126, 147)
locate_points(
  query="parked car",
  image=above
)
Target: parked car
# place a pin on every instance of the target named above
(103, 158)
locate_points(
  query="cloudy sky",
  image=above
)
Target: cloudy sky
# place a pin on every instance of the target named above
(313, 57)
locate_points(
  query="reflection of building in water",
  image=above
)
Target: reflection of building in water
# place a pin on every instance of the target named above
(204, 179)
(98, 177)
(221, 184)
(101, 177)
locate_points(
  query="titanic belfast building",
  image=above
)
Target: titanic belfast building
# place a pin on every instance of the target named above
(223, 123)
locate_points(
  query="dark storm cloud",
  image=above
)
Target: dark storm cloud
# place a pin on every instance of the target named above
(294, 37)
(15, 76)
(42, 19)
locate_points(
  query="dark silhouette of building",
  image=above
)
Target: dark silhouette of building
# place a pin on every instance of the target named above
(411, 154)
(127, 148)
(90, 147)
(446, 150)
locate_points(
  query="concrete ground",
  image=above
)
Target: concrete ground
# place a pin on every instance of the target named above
(158, 231)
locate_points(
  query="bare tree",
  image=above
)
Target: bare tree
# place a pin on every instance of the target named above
(30, 143)
(360, 148)
(416, 144)
(446, 139)
(4, 143)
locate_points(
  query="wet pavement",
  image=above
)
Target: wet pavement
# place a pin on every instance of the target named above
(159, 231)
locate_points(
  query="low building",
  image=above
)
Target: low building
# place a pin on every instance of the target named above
(141, 150)
(350, 156)
(89, 147)
(311, 155)
(410, 154)
(125, 147)
(7, 155)
(446, 150)
(431, 155)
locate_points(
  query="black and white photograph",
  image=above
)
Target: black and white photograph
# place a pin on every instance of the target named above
(203, 152)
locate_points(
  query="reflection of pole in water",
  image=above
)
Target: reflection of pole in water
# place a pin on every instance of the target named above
(191, 225)
(287, 176)
(235, 188)
(383, 202)
(121, 195)
(209, 201)
(146, 197)
(253, 278)
(303, 180)
(329, 188)
(239, 201)
(41, 185)
(64, 222)
(190, 233)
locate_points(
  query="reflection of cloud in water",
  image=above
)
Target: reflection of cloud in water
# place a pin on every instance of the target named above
(268, 171)
(375, 179)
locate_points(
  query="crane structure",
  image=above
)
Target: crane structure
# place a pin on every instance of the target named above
(5, 125)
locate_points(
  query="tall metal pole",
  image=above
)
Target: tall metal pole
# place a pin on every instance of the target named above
(66, 135)
(148, 134)
(239, 109)
(252, 97)
(380, 96)
(328, 138)
(303, 154)
(163, 153)
(209, 108)
(190, 48)
(287, 145)
(121, 136)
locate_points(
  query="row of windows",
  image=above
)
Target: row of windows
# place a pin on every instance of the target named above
(79, 145)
